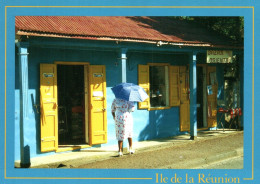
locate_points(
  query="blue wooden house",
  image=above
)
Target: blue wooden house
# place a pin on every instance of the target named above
(66, 67)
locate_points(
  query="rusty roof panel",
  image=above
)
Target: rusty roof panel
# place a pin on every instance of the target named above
(164, 29)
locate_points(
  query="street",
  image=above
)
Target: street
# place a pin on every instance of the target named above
(186, 156)
(230, 163)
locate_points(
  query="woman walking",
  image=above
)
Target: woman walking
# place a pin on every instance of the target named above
(121, 111)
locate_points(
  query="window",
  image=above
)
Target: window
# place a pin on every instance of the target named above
(159, 86)
(161, 82)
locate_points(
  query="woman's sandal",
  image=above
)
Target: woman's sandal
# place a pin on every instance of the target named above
(120, 154)
(131, 151)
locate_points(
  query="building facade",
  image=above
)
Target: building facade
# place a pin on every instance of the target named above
(66, 67)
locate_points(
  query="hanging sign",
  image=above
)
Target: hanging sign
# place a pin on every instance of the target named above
(219, 56)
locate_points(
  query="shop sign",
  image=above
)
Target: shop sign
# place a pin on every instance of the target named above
(97, 74)
(219, 56)
(48, 75)
(98, 93)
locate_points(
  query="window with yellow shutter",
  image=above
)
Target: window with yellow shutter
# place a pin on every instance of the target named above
(174, 75)
(143, 81)
(161, 82)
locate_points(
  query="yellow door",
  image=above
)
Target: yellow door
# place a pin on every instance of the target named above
(212, 90)
(184, 99)
(49, 107)
(98, 116)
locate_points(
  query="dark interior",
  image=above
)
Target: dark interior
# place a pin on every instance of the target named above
(157, 86)
(71, 106)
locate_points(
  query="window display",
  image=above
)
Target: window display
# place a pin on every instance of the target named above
(159, 86)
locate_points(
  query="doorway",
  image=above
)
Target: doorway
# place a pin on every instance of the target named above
(201, 97)
(66, 91)
(72, 108)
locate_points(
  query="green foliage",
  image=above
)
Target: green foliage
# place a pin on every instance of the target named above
(231, 27)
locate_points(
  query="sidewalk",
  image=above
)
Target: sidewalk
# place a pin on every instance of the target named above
(79, 158)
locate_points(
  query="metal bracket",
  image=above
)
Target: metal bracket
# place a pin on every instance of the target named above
(36, 107)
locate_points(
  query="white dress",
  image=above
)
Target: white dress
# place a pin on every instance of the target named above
(123, 118)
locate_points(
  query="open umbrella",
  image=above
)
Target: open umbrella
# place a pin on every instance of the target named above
(130, 92)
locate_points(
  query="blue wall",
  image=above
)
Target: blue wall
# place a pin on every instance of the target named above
(147, 124)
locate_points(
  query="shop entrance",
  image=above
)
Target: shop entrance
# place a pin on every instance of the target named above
(66, 90)
(201, 97)
(72, 121)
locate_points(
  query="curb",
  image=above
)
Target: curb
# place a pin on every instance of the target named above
(181, 144)
(75, 162)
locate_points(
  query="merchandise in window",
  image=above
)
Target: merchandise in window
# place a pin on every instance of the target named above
(159, 86)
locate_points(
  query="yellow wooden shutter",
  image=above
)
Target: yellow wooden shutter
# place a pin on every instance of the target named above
(49, 107)
(184, 99)
(98, 115)
(212, 99)
(143, 81)
(174, 86)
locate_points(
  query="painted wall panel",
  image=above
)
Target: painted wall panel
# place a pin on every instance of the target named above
(147, 124)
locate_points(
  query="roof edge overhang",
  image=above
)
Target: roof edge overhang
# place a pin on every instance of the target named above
(132, 40)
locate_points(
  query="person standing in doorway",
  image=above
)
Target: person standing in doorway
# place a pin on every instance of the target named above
(121, 111)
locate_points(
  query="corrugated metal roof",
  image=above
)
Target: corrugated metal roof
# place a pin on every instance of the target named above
(165, 29)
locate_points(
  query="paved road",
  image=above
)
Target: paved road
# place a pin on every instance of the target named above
(230, 163)
(177, 157)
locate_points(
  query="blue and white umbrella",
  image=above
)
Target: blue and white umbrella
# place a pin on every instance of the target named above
(130, 92)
